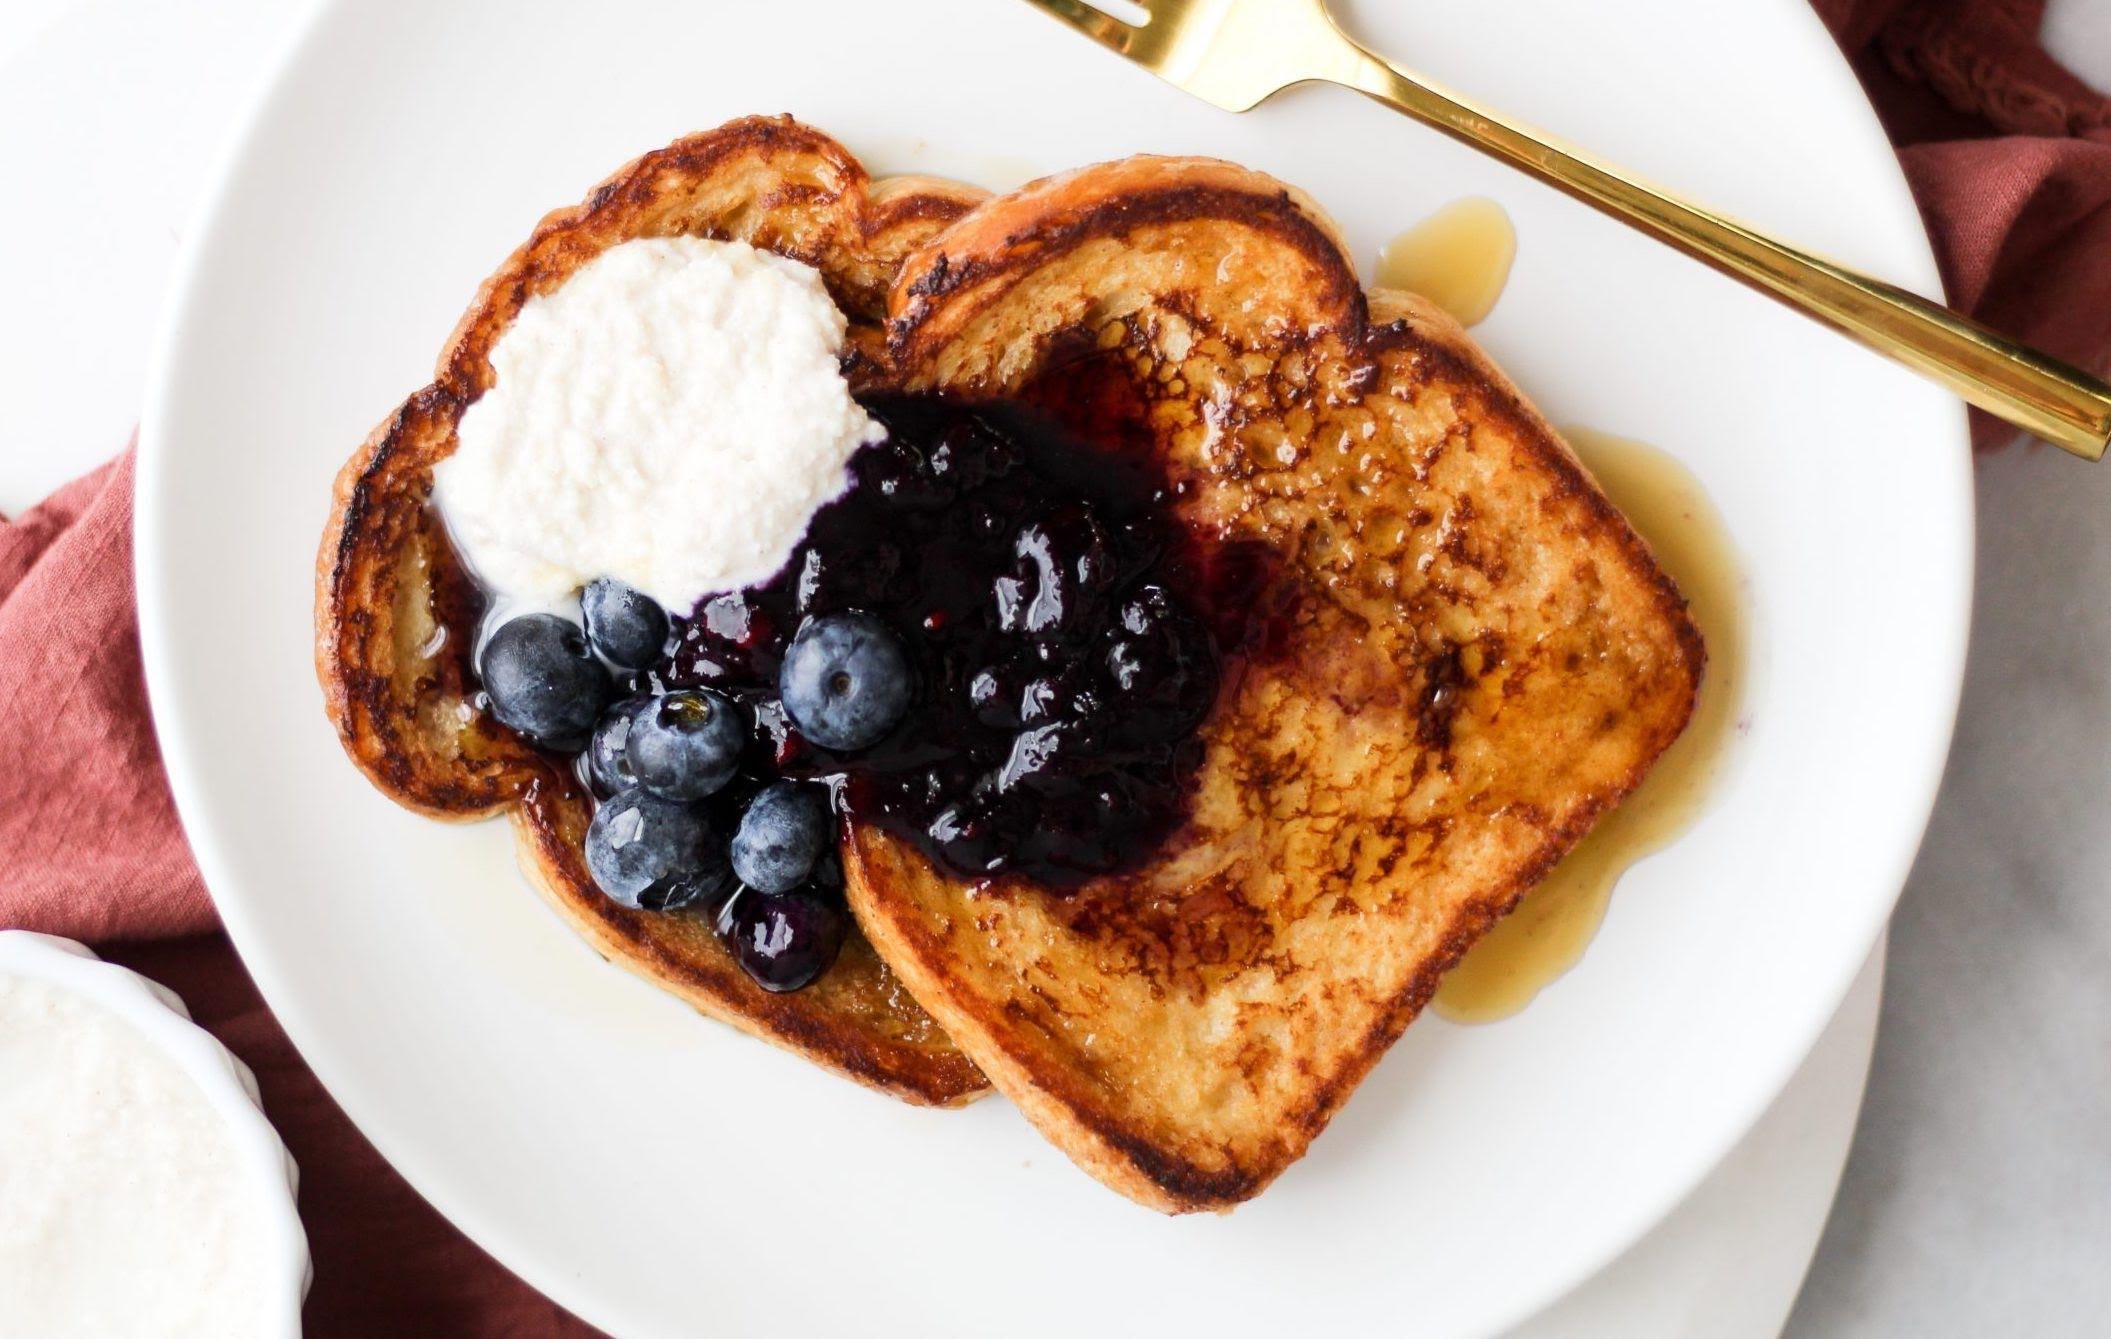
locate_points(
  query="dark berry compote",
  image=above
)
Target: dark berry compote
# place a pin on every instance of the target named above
(1055, 672)
(993, 644)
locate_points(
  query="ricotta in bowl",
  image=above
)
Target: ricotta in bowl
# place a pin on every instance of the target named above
(141, 1191)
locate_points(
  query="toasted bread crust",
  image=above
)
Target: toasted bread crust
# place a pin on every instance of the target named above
(856, 1019)
(395, 629)
(396, 614)
(1477, 656)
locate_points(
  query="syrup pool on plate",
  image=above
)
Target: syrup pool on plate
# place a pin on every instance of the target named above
(1459, 258)
(1549, 931)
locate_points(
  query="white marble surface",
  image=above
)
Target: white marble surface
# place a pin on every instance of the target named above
(112, 116)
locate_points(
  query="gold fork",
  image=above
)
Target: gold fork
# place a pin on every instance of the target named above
(1236, 53)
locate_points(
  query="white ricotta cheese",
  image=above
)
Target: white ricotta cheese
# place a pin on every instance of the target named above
(124, 1208)
(672, 416)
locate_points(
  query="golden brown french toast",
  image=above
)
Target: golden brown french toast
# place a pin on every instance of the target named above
(396, 614)
(1460, 656)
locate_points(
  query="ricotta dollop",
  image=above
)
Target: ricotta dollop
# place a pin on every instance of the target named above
(672, 416)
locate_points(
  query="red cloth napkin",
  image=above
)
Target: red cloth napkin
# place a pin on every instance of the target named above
(2009, 155)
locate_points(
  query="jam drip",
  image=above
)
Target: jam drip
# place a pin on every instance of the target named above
(1049, 603)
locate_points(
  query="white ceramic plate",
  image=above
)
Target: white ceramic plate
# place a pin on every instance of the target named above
(661, 1175)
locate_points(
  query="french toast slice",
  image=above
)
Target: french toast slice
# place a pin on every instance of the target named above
(1457, 657)
(396, 614)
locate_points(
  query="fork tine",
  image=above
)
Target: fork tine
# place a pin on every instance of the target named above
(1101, 27)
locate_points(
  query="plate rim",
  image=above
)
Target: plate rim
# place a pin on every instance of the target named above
(1916, 268)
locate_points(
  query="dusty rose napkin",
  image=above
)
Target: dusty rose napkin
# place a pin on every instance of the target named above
(2009, 155)
(88, 836)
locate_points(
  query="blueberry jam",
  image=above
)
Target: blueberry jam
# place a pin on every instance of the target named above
(1058, 678)
(998, 643)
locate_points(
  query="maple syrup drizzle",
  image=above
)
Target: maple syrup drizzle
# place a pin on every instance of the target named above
(1548, 932)
(1458, 258)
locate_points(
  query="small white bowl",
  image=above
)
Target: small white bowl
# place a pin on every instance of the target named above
(227, 1083)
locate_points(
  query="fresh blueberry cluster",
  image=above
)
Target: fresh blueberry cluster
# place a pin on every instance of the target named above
(978, 647)
(688, 816)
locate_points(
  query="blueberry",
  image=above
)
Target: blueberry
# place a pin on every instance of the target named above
(1094, 824)
(826, 880)
(902, 477)
(624, 624)
(688, 746)
(1163, 668)
(1015, 597)
(1044, 751)
(968, 456)
(984, 832)
(543, 681)
(780, 836)
(845, 681)
(782, 940)
(724, 638)
(1066, 694)
(996, 694)
(942, 781)
(1149, 607)
(736, 619)
(654, 854)
(1061, 565)
(608, 754)
(773, 736)
(838, 579)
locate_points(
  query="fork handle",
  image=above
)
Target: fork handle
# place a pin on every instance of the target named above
(2037, 393)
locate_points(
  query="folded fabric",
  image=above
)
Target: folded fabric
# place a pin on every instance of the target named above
(2009, 155)
(88, 834)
